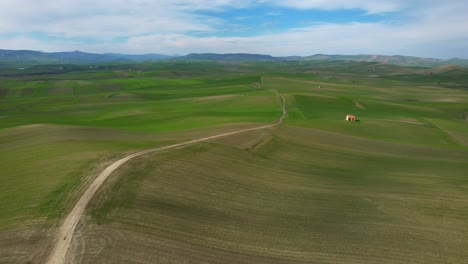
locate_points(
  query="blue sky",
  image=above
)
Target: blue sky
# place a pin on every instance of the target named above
(427, 28)
(261, 19)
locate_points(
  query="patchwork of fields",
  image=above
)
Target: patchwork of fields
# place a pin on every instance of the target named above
(391, 188)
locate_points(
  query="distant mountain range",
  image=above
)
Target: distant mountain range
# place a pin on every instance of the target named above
(395, 59)
(28, 57)
(237, 57)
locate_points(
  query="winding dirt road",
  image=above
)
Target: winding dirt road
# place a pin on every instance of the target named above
(67, 229)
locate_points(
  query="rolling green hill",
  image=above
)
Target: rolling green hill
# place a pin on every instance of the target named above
(391, 188)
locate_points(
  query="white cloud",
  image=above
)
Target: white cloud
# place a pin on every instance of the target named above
(371, 6)
(80, 18)
(26, 43)
(425, 28)
(353, 38)
(99, 18)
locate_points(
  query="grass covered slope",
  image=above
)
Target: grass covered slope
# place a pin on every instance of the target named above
(43, 170)
(391, 188)
(292, 195)
(145, 103)
(57, 131)
(55, 128)
(399, 112)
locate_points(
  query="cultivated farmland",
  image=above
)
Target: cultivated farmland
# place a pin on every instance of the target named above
(391, 188)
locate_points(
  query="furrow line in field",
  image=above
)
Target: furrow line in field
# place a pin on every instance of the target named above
(67, 229)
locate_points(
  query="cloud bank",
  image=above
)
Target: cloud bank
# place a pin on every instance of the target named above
(413, 27)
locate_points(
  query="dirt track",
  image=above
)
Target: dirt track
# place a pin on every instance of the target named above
(67, 229)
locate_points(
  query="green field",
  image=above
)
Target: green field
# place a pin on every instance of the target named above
(391, 188)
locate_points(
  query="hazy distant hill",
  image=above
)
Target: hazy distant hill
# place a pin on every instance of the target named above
(37, 57)
(396, 59)
(28, 58)
(229, 57)
(142, 57)
(236, 57)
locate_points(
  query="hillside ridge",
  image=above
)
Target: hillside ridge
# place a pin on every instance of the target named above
(29, 57)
